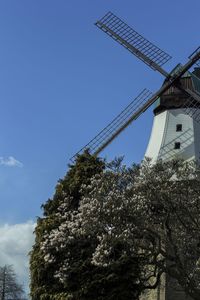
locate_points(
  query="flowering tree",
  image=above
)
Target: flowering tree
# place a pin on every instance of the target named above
(147, 215)
(51, 279)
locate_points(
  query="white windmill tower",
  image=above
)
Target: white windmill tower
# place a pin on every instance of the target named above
(176, 126)
(176, 130)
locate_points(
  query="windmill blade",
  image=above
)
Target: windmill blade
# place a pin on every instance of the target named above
(192, 103)
(193, 54)
(192, 94)
(139, 105)
(192, 108)
(101, 140)
(134, 42)
(168, 152)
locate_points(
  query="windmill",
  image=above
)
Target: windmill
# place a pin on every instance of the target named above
(177, 100)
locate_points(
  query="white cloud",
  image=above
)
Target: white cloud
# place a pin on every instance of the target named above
(10, 162)
(15, 243)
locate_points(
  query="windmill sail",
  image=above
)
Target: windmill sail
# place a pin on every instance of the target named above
(101, 140)
(134, 42)
(192, 104)
(190, 85)
(167, 151)
(193, 54)
(192, 109)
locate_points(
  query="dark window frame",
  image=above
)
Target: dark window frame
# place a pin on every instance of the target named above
(177, 145)
(179, 127)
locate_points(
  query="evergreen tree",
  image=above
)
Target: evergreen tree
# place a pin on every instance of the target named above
(43, 283)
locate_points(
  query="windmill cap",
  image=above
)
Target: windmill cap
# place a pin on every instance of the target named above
(174, 98)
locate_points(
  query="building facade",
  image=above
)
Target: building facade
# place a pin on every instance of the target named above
(175, 134)
(176, 126)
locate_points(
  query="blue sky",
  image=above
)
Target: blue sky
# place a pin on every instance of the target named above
(62, 80)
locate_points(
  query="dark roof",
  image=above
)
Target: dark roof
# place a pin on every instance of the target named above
(173, 97)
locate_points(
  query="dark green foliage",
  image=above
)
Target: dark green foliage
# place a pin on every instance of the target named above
(114, 282)
(42, 280)
(85, 167)
(89, 282)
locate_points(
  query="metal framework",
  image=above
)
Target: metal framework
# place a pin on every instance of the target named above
(193, 95)
(134, 42)
(168, 151)
(193, 54)
(192, 108)
(115, 127)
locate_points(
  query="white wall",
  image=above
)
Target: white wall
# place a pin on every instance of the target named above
(164, 136)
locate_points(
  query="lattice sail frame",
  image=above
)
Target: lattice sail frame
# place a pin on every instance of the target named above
(150, 54)
(193, 54)
(192, 108)
(192, 103)
(109, 132)
(168, 152)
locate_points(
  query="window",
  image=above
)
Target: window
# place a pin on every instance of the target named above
(177, 145)
(178, 127)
